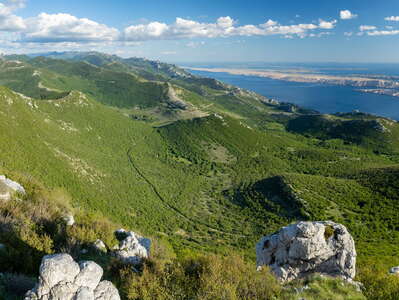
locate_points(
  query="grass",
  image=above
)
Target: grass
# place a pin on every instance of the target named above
(317, 287)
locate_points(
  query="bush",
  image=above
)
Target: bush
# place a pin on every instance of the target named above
(379, 285)
(317, 287)
(204, 277)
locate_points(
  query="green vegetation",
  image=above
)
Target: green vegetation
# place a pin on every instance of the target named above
(204, 277)
(210, 176)
(318, 287)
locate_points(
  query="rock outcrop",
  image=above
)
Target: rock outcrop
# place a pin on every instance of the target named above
(394, 270)
(8, 188)
(99, 246)
(69, 220)
(305, 248)
(61, 278)
(132, 247)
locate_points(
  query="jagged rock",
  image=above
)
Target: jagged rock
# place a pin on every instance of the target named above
(69, 220)
(8, 188)
(85, 293)
(132, 247)
(90, 274)
(106, 291)
(61, 278)
(54, 269)
(394, 270)
(99, 246)
(304, 248)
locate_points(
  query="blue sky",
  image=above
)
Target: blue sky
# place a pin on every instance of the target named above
(207, 31)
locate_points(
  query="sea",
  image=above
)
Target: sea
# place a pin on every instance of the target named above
(324, 98)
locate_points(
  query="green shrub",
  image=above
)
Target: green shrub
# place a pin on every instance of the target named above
(378, 284)
(317, 287)
(204, 277)
(328, 232)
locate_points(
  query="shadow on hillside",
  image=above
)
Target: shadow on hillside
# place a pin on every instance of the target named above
(273, 195)
(18, 256)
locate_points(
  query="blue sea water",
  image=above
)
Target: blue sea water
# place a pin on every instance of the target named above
(321, 97)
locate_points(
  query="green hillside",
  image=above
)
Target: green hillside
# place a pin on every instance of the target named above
(377, 134)
(205, 166)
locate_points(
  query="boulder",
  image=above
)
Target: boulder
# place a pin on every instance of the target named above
(8, 188)
(305, 248)
(99, 246)
(132, 247)
(69, 220)
(90, 274)
(61, 278)
(106, 291)
(394, 270)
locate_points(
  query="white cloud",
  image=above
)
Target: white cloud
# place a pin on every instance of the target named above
(392, 18)
(224, 27)
(346, 15)
(383, 32)
(367, 27)
(327, 25)
(227, 22)
(270, 23)
(47, 28)
(348, 34)
(320, 34)
(9, 21)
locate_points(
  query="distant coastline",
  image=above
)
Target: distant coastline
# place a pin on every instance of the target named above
(372, 84)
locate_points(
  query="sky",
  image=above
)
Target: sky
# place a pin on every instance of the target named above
(207, 30)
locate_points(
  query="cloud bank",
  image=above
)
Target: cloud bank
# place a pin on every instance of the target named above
(48, 28)
(223, 27)
(8, 20)
(66, 29)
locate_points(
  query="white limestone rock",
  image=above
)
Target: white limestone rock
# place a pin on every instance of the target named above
(61, 278)
(69, 220)
(90, 274)
(84, 293)
(394, 270)
(100, 246)
(54, 269)
(132, 247)
(106, 291)
(8, 188)
(304, 248)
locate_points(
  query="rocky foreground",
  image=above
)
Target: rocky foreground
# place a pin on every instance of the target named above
(296, 251)
(64, 279)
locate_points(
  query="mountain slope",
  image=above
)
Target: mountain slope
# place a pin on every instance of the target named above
(206, 165)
